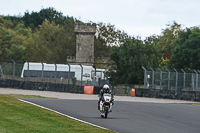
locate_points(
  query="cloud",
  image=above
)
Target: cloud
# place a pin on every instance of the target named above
(136, 17)
(142, 31)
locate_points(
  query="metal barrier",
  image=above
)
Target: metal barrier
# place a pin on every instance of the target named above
(171, 80)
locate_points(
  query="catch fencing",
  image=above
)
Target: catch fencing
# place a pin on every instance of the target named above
(12, 72)
(172, 80)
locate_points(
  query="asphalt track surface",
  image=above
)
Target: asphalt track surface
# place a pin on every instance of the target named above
(131, 117)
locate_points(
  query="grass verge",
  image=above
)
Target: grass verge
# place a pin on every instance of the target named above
(189, 103)
(20, 117)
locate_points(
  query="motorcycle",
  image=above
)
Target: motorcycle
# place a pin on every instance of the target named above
(105, 105)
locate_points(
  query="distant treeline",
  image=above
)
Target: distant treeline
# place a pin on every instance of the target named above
(48, 36)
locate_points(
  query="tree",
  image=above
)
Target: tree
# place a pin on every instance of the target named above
(35, 19)
(51, 43)
(18, 52)
(49, 36)
(107, 36)
(12, 40)
(128, 61)
(14, 19)
(167, 39)
(100, 48)
(186, 54)
(110, 34)
(42, 42)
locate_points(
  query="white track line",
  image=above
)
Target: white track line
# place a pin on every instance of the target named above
(62, 114)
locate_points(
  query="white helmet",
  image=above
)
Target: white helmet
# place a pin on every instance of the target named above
(105, 86)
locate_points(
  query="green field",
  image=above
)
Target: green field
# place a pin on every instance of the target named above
(20, 117)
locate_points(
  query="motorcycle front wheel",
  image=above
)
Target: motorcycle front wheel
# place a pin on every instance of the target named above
(106, 112)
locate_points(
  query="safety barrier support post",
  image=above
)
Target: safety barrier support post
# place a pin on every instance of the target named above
(27, 70)
(145, 77)
(68, 74)
(168, 79)
(42, 72)
(160, 78)
(196, 79)
(152, 77)
(183, 79)
(55, 72)
(176, 78)
(13, 68)
(198, 75)
(192, 79)
(81, 75)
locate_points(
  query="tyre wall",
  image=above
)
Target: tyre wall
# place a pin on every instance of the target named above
(179, 95)
(57, 87)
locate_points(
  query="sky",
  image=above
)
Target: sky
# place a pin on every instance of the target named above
(135, 17)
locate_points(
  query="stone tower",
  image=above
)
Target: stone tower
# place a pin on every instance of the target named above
(85, 43)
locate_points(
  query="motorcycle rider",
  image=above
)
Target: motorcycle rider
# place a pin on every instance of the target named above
(106, 89)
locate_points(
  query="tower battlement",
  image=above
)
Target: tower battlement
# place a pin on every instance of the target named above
(87, 28)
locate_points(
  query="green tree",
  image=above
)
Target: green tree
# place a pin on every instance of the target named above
(14, 19)
(42, 42)
(35, 19)
(106, 36)
(18, 52)
(110, 34)
(186, 54)
(167, 39)
(51, 43)
(128, 61)
(100, 48)
(12, 41)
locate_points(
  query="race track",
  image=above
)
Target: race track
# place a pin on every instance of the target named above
(131, 117)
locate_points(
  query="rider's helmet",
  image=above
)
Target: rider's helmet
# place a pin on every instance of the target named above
(106, 88)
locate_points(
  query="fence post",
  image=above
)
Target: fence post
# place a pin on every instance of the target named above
(55, 72)
(183, 78)
(152, 77)
(28, 71)
(196, 79)
(42, 71)
(68, 73)
(168, 79)
(94, 66)
(81, 75)
(192, 80)
(198, 75)
(176, 78)
(13, 68)
(145, 78)
(160, 78)
(1, 72)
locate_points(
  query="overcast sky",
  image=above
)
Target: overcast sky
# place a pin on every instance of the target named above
(136, 17)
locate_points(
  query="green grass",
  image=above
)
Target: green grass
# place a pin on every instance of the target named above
(20, 117)
(189, 103)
